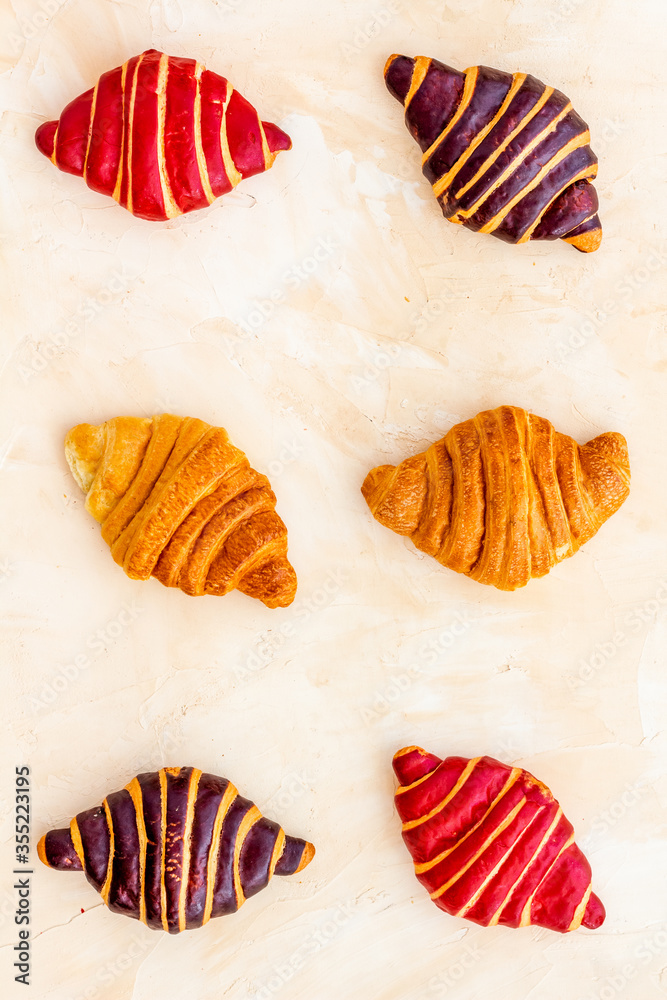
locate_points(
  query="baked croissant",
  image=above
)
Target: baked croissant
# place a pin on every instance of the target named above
(502, 497)
(161, 135)
(491, 844)
(174, 848)
(505, 154)
(177, 501)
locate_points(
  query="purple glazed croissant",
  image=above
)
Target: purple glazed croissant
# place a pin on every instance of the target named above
(174, 848)
(505, 154)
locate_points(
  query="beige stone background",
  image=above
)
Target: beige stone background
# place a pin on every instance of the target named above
(390, 326)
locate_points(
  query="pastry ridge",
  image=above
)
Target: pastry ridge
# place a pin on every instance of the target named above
(490, 843)
(502, 497)
(174, 848)
(161, 135)
(504, 153)
(178, 501)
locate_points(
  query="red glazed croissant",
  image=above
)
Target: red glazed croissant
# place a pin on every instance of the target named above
(177, 501)
(161, 135)
(174, 848)
(491, 844)
(502, 497)
(505, 154)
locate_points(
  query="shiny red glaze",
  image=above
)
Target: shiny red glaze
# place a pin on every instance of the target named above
(490, 843)
(154, 134)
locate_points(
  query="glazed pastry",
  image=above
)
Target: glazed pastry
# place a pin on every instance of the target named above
(161, 135)
(174, 848)
(490, 843)
(177, 501)
(505, 154)
(502, 497)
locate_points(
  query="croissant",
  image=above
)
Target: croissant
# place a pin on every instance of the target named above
(162, 136)
(502, 497)
(491, 844)
(505, 154)
(174, 848)
(177, 501)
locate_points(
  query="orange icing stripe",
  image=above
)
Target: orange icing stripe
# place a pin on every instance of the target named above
(487, 843)
(419, 71)
(465, 774)
(420, 869)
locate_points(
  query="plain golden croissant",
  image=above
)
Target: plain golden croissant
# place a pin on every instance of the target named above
(174, 848)
(177, 501)
(491, 844)
(502, 497)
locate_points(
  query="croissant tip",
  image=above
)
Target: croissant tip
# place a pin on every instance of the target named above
(595, 913)
(56, 850)
(398, 75)
(395, 55)
(45, 138)
(412, 763)
(374, 482)
(306, 857)
(278, 141)
(406, 750)
(586, 242)
(41, 852)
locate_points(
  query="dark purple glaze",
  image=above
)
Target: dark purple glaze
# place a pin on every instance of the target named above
(256, 856)
(224, 895)
(209, 794)
(560, 206)
(59, 851)
(490, 92)
(291, 856)
(523, 102)
(124, 888)
(95, 839)
(526, 172)
(184, 876)
(177, 802)
(434, 103)
(398, 77)
(579, 201)
(151, 797)
(531, 207)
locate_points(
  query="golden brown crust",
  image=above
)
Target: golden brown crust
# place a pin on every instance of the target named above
(178, 501)
(502, 497)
